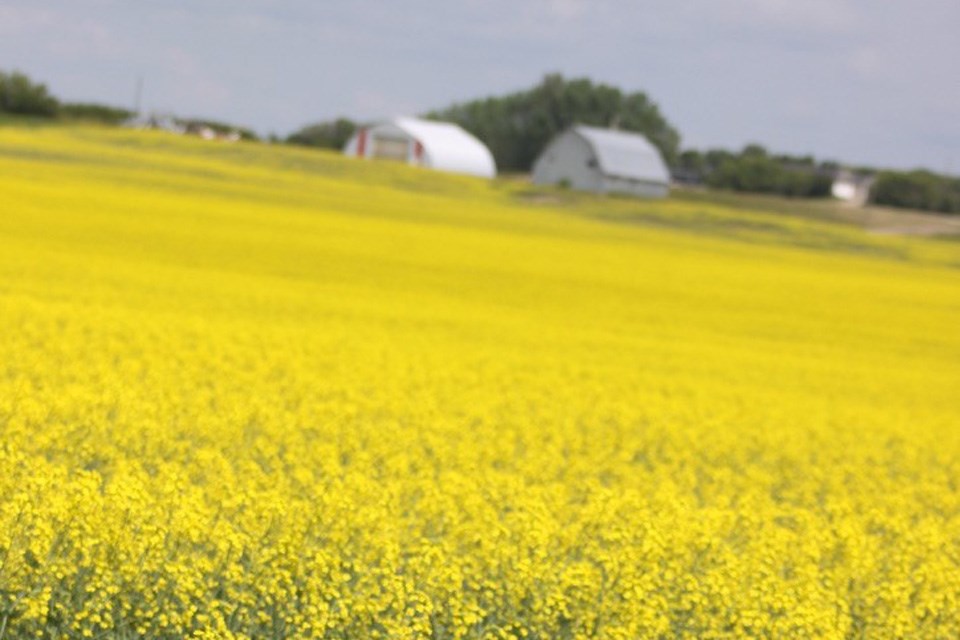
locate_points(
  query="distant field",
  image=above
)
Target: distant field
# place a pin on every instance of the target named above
(872, 218)
(262, 392)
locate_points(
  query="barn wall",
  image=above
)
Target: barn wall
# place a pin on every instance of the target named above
(384, 130)
(391, 132)
(350, 148)
(612, 184)
(568, 159)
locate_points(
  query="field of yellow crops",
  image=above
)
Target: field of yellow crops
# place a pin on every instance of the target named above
(256, 392)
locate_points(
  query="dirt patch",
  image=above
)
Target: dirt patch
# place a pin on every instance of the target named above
(884, 221)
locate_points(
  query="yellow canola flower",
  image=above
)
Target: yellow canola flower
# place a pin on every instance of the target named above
(258, 392)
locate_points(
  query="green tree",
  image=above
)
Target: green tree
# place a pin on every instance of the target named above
(754, 150)
(18, 94)
(332, 134)
(755, 170)
(917, 190)
(516, 127)
(94, 112)
(691, 166)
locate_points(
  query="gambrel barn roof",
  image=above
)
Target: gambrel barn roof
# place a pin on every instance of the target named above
(624, 154)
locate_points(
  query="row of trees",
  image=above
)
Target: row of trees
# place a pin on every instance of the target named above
(917, 190)
(22, 96)
(330, 135)
(755, 170)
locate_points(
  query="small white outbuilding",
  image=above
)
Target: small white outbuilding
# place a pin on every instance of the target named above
(852, 188)
(603, 161)
(437, 145)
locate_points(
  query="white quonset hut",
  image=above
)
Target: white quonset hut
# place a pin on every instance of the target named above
(438, 145)
(603, 161)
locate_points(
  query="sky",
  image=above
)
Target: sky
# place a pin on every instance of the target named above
(871, 82)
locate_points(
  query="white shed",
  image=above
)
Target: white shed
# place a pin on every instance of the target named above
(603, 161)
(853, 188)
(438, 145)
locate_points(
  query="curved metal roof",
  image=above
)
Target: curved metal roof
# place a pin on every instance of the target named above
(625, 154)
(449, 148)
(446, 147)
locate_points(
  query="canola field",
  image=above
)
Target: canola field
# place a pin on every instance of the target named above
(258, 392)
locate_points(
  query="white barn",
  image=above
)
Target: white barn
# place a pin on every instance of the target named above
(603, 161)
(437, 145)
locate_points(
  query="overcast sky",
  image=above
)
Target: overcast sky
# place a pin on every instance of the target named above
(863, 81)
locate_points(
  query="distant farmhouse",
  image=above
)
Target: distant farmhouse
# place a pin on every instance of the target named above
(436, 145)
(183, 127)
(851, 187)
(157, 122)
(603, 161)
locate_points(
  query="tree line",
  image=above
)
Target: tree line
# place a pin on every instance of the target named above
(19, 95)
(22, 96)
(518, 125)
(756, 170)
(919, 189)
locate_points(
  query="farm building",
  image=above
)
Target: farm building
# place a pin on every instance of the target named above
(853, 188)
(437, 145)
(603, 161)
